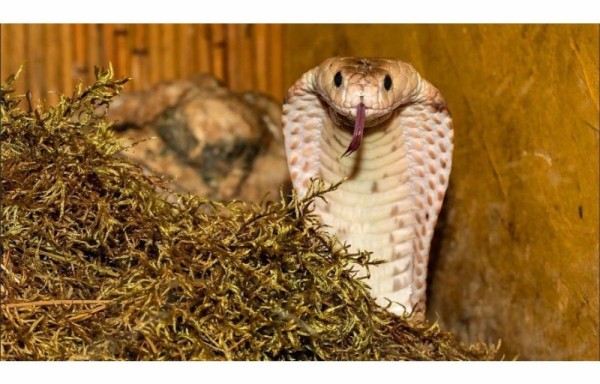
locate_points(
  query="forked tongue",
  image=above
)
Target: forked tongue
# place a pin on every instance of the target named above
(359, 127)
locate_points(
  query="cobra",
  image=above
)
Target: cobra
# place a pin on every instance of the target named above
(379, 124)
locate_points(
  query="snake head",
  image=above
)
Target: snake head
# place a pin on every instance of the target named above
(360, 93)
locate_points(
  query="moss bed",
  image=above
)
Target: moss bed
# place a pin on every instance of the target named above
(101, 261)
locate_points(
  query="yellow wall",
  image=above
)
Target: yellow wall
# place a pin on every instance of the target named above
(518, 251)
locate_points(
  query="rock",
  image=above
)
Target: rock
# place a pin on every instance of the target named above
(208, 140)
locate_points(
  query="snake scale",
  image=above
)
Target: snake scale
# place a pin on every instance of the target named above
(379, 124)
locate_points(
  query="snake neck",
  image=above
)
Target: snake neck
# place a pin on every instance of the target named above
(375, 208)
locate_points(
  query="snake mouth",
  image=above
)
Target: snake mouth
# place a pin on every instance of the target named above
(360, 117)
(359, 129)
(347, 116)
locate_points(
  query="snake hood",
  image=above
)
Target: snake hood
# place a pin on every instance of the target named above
(380, 125)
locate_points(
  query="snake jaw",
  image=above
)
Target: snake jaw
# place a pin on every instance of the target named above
(359, 128)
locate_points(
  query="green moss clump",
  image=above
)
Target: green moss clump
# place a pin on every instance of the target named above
(101, 261)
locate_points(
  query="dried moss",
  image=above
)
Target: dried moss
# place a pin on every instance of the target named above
(100, 261)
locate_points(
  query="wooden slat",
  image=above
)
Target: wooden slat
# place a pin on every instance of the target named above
(94, 59)
(261, 57)
(246, 66)
(275, 68)
(154, 52)
(203, 49)
(218, 51)
(80, 68)
(122, 51)
(52, 65)
(168, 52)
(67, 58)
(19, 45)
(139, 57)
(108, 44)
(33, 36)
(4, 70)
(232, 56)
(184, 56)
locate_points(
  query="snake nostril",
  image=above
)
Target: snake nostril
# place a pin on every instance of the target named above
(387, 82)
(337, 79)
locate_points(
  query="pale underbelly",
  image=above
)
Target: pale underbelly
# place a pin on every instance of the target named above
(374, 209)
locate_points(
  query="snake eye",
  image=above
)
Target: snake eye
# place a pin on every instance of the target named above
(387, 82)
(337, 79)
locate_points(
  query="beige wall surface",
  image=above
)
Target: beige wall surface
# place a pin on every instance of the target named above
(516, 253)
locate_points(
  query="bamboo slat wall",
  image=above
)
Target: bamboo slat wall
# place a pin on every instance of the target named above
(59, 56)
